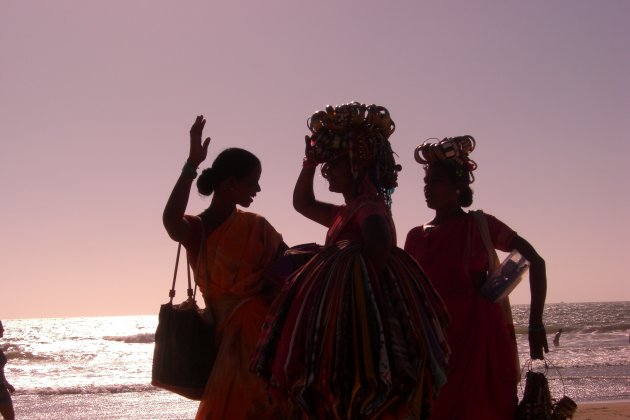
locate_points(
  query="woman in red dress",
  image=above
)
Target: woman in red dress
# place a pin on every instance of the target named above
(483, 373)
(357, 331)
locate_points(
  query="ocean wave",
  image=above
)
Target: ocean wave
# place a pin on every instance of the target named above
(27, 355)
(87, 390)
(587, 329)
(136, 338)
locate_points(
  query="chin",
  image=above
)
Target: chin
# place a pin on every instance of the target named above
(246, 203)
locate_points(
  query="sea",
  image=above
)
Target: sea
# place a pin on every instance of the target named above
(100, 367)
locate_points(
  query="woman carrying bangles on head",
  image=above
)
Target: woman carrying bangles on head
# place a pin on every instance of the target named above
(357, 331)
(236, 250)
(483, 369)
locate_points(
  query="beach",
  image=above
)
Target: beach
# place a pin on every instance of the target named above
(162, 405)
(155, 405)
(603, 410)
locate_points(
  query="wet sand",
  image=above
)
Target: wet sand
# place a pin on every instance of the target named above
(603, 410)
(162, 405)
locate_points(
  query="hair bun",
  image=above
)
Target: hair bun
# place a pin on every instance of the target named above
(205, 182)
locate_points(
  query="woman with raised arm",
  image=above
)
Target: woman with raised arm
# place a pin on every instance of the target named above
(357, 331)
(483, 373)
(238, 248)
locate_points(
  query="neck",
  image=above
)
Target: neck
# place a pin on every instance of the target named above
(442, 215)
(218, 211)
(349, 196)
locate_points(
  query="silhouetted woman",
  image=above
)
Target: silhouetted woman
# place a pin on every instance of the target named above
(483, 371)
(238, 248)
(356, 334)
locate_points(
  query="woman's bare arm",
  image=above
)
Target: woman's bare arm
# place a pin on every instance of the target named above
(173, 217)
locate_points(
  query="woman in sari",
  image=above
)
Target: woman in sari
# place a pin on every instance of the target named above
(357, 331)
(483, 372)
(230, 251)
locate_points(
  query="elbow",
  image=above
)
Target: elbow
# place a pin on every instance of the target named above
(538, 263)
(301, 204)
(172, 227)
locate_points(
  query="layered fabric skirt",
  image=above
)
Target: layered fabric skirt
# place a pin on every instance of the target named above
(341, 342)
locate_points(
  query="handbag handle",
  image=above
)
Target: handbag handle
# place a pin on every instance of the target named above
(202, 255)
(207, 313)
(171, 293)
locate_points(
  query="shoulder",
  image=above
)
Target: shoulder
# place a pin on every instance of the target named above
(415, 232)
(490, 219)
(502, 235)
(369, 207)
(495, 222)
(255, 220)
(250, 217)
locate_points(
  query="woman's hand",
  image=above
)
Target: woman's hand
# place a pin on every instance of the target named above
(198, 150)
(308, 149)
(537, 343)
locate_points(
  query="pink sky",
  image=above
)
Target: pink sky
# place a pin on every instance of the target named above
(96, 99)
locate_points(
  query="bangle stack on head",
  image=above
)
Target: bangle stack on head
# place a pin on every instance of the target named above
(189, 170)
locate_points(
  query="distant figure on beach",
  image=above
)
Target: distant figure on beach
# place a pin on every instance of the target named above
(358, 334)
(238, 248)
(556, 338)
(6, 389)
(484, 367)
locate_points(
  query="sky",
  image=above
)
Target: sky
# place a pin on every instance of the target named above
(96, 100)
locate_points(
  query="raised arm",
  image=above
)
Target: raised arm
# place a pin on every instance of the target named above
(173, 217)
(304, 197)
(538, 289)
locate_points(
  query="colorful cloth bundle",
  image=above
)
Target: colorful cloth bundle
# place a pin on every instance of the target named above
(343, 342)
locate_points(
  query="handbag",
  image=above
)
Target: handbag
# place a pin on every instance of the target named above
(537, 403)
(493, 259)
(185, 347)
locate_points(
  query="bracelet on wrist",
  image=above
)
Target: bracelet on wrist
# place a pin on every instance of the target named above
(536, 328)
(189, 170)
(309, 163)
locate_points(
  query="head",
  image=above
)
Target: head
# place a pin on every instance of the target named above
(234, 174)
(444, 188)
(448, 172)
(338, 172)
(352, 141)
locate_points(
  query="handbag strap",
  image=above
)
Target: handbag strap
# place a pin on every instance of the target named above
(171, 293)
(482, 224)
(202, 256)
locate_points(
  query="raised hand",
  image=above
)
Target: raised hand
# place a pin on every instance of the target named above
(198, 150)
(308, 149)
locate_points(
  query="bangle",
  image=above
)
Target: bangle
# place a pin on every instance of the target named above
(308, 162)
(189, 170)
(536, 328)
